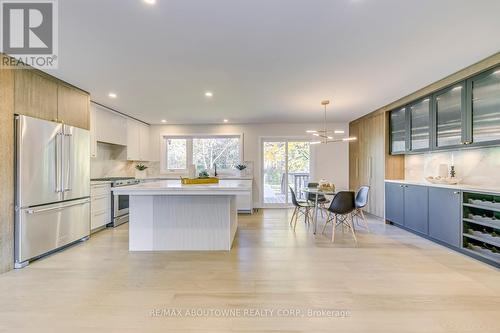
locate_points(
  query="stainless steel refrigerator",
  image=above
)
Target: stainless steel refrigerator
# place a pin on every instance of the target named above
(52, 187)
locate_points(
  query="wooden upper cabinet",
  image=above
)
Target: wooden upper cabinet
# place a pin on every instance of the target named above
(35, 95)
(73, 107)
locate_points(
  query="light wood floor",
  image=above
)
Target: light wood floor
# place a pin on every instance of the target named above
(392, 281)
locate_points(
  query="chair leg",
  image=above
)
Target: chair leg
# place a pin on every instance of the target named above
(293, 215)
(334, 225)
(327, 221)
(364, 219)
(296, 218)
(351, 226)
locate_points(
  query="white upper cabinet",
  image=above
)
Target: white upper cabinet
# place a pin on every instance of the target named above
(133, 140)
(144, 142)
(137, 141)
(110, 127)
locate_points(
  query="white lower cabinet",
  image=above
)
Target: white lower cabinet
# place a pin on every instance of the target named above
(244, 202)
(100, 207)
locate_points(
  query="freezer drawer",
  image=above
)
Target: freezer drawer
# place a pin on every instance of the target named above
(45, 228)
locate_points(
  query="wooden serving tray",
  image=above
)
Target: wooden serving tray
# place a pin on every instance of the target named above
(198, 181)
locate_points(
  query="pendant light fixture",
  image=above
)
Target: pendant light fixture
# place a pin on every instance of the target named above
(327, 136)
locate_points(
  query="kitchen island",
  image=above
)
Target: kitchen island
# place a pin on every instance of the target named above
(169, 216)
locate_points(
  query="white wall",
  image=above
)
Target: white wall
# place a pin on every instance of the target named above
(330, 162)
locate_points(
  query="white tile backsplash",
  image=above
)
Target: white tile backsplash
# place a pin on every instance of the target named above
(111, 161)
(478, 167)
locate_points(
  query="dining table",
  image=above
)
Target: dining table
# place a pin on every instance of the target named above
(316, 191)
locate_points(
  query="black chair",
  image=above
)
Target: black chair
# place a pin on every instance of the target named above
(301, 207)
(340, 212)
(360, 202)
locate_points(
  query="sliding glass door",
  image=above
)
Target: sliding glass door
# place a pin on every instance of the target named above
(285, 164)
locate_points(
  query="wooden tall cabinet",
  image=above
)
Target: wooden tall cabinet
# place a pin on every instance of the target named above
(367, 159)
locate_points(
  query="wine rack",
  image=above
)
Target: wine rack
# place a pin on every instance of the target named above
(481, 225)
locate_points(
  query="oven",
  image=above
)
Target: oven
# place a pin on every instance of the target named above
(120, 203)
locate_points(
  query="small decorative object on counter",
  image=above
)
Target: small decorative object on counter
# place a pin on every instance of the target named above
(204, 174)
(199, 181)
(241, 168)
(452, 171)
(443, 180)
(326, 186)
(140, 171)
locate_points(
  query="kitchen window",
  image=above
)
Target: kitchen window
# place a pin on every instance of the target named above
(204, 151)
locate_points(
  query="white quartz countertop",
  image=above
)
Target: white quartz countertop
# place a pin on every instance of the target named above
(222, 177)
(459, 187)
(174, 187)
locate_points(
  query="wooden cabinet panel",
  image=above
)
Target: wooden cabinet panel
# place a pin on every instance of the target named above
(354, 156)
(35, 95)
(367, 160)
(73, 107)
(6, 169)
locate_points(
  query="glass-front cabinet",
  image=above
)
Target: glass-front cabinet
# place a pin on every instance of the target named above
(398, 131)
(420, 116)
(485, 107)
(466, 113)
(449, 110)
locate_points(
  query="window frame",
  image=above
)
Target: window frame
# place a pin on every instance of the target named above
(189, 151)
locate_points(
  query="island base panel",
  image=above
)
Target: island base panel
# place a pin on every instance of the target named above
(180, 222)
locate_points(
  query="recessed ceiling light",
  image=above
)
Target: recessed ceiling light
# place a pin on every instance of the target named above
(225, 120)
(150, 2)
(339, 132)
(112, 95)
(209, 94)
(163, 121)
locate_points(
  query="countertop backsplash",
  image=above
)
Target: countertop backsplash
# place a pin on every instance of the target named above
(478, 167)
(111, 161)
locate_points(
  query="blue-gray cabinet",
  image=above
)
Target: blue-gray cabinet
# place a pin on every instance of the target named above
(416, 208)
(444, 215)
(394, 203)
(463, 114)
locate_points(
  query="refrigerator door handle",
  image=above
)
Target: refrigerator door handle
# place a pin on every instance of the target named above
(68, 139)
(58, 151)
(36, 211)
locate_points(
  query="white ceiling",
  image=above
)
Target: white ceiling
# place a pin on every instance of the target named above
(267, 60)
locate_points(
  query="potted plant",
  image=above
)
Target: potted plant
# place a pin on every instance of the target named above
(241, 168)
(140, 171)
